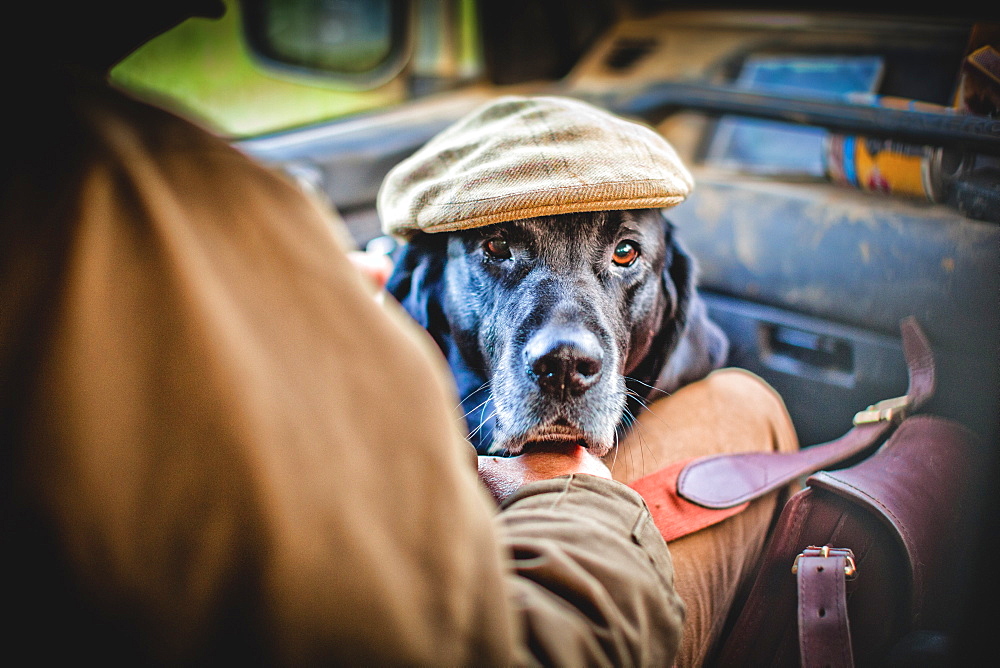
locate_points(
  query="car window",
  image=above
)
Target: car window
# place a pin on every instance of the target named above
(770, 147)
(204, 68)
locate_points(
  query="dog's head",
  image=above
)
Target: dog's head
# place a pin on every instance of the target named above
(541, 263)
(556, 328)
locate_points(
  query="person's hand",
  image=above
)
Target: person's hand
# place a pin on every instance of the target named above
(504, 475)
(375, 266)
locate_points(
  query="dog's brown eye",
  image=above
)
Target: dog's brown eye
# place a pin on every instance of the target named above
(498, 248)
(625, 253)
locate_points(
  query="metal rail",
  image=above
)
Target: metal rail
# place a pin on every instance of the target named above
(954, 130)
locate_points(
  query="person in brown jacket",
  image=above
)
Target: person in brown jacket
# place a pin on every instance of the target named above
(219, 446)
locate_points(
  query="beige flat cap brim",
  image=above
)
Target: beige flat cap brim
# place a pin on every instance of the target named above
(523, 157)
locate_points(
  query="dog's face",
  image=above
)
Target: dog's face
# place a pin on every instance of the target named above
(552, 324)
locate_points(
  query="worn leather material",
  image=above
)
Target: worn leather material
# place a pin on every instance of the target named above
(915, 491)
(824, 632)
(723, 481)
(727, 480)
(905, 512)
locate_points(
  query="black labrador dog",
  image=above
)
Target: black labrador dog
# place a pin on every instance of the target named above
(559, 328)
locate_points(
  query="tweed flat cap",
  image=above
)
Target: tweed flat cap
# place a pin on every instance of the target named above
(522, 157)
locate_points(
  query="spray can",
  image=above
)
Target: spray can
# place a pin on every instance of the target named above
(884, 166)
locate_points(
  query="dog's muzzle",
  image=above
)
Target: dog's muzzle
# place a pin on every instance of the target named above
(564, 361)
(563, 394)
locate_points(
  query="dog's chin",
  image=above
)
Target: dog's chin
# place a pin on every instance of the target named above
(551, 437)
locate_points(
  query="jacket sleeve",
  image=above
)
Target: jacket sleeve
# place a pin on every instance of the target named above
(219, 446)
(591, 579)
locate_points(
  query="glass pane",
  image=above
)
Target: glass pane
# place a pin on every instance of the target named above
(775, 148)
(203, 69)
(337, 35)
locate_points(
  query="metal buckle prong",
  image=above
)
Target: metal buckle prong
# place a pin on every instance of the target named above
(887, 410)
(850, 568)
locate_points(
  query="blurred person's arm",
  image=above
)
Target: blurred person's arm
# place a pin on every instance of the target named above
(219, 446)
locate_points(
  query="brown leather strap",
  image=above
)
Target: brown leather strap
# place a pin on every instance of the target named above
(824, 632)
(723, 481)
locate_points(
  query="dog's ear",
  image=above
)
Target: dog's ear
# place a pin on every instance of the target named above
(418, 283)
(417, 277)
(695, 344)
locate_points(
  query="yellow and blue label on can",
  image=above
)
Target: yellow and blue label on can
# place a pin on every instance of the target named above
(881, 166)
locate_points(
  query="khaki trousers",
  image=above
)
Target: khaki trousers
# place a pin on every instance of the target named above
(730, 411)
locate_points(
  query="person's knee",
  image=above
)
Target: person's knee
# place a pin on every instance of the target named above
(734, 386)
(742, 383)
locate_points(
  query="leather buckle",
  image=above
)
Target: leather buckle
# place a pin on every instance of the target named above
(850, 568)
(886, 410)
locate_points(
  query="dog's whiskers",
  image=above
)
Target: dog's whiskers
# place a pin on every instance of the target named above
(482, 423)
(631, 422)
(652, 387)
(645, 404)
(640, 400)
(614, 458)
(471, 394)
(478, 406)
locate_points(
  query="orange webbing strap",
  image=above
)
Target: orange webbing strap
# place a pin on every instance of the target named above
(676, 517)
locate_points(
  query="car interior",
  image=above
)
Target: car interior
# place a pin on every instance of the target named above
(846, 160)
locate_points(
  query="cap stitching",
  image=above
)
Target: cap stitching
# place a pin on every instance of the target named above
(549, 190)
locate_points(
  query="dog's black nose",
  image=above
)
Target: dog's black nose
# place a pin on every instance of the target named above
(564, 361)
